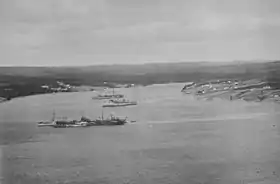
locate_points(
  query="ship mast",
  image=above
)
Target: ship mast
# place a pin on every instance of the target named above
(53, 117)
(102, 113)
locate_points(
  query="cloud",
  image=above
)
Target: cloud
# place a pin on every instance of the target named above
(55, 30)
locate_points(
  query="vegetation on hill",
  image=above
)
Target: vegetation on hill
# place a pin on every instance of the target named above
(23, 81)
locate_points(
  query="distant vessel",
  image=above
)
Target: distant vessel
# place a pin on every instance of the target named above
(110, 104)
(108, 96)
(45, 124)
(62, 123)
(83, 122)
(119, 103)
(123, 100)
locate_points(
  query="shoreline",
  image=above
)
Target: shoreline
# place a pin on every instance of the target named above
(95, 89)
(253, 90)
(228, 94)
(76, 89)
(80, 89)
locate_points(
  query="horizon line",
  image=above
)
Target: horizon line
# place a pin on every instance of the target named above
(145, 63)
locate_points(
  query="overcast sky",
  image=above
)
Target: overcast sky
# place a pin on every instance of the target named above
(83, 32)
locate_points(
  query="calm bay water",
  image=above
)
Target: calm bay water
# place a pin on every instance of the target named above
(176, 139)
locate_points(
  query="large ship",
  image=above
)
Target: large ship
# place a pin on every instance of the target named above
(84, 122)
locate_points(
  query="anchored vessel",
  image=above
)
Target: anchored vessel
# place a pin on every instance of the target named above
(119, 103)
(108, 96)
(62, 123)
(84, 122)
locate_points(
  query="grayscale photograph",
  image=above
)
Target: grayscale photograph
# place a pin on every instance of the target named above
(139, 91)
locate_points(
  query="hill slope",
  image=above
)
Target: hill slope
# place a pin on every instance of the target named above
(22, 81)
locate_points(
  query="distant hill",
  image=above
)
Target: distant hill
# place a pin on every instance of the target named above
(209, 67)
(20, 78)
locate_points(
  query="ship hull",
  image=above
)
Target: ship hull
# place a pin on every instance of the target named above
(109, 122)
(107, 97)
(68, 126)
(118, 105)
(45, 125)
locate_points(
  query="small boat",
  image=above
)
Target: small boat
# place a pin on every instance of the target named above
(108, 96)
(50, 123)
(187, 86)
(45, 124)
(122, 101)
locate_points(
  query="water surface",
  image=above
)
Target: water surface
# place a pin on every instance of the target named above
(176, 139)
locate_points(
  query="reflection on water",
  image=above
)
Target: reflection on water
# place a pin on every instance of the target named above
(176, 139)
